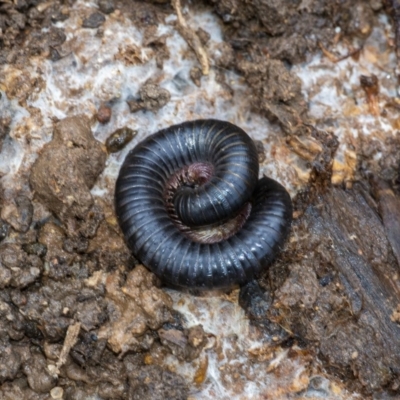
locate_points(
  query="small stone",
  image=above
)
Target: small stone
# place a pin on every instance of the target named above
(5, 122)
(59, 16)
(106, 6)
(18, 298)
(104, 114)
(260, 150)
(195, 75)
(20, 4)
(135, 105)
(376, 5)
(4, 229)
(23, 270)
(54, 54)
(119, 139)
(203, 35)
(94, 20)
(18, 214)
(57, 392)
(196, 336)
(55, 37)
(19, 19)
(75, 245)
(38, 249)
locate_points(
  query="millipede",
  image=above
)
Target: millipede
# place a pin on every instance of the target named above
(193, 211)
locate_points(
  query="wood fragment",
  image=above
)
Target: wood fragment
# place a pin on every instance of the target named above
(69, 342)
(370, 85)
(201, 372)
(389, 210)
(335, 59)
(191, 38)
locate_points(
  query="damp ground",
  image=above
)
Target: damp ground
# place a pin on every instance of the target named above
(313, 84)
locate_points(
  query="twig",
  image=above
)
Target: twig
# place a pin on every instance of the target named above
(70, 339)
(335, 59)
(69, 342)
(192, 39)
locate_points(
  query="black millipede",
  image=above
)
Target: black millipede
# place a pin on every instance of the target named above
(193, 211)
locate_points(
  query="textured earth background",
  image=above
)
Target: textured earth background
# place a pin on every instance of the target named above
(314, 83)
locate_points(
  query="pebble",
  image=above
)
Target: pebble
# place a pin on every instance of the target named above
(18, 213)
(38, 249)
(4, 229)
(106, 6)
(119, 139)
(57, 392)
(94, 20)
(104, 114)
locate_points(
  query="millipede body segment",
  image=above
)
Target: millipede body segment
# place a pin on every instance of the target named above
(192, 209)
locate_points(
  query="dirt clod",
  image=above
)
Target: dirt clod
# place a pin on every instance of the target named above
(10, 362)
(257, 303)
(37, 249)
(276, 93)
(152, 98)
(185, 345)
(108, 249)
(154, 383)
(18, 213)
(36, 371)
(138, 306)
(52, 236)
(67, 168)
(18, 269)
(287, 30)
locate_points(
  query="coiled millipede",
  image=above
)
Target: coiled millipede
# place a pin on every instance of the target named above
(193, 211)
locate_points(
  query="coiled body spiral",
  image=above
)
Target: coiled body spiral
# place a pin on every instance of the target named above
(186, 179)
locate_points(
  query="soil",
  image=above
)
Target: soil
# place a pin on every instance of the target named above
(334, 292)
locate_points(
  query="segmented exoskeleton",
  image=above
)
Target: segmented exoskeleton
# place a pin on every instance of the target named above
(188, 178)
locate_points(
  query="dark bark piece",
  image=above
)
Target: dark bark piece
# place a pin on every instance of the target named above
(256, 304)
(350, 315)
(389, 210)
